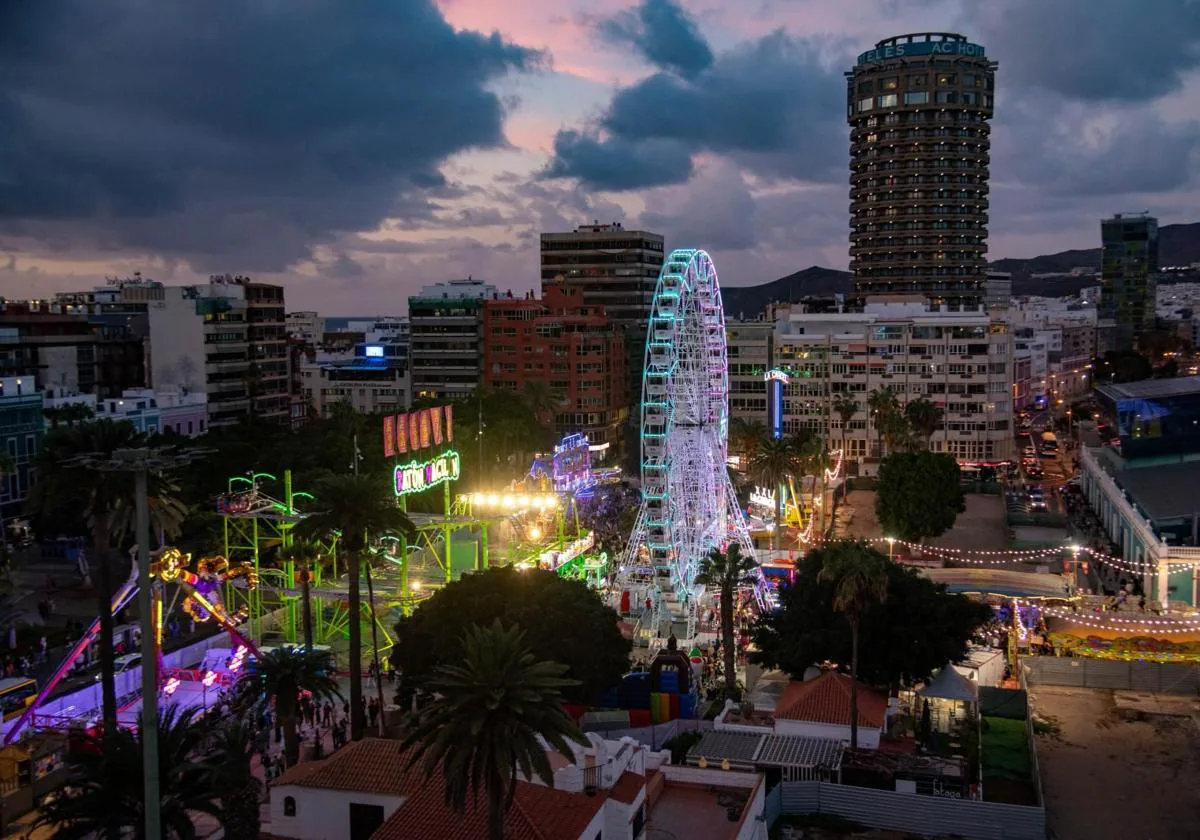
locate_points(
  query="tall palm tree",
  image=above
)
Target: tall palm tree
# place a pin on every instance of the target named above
(814, 458)
(305, 554)
(104, 796)
(497, 710)
(883, 406)
(859, 576)
(726, 571)
(771, 464)
(546, 402)
(924, 418)
(277, 678)
(107, 501)
(230, 748)
(745, 436)
(356, 506)
(846, 407)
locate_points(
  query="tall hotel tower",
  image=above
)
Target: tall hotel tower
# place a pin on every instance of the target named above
(918, 107)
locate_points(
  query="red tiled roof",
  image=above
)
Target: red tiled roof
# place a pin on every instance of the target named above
(627, 787)
(827, 700)
(538, 813)
(372, 765)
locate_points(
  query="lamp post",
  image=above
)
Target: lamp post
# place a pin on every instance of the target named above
(141, 462)
(891, 541)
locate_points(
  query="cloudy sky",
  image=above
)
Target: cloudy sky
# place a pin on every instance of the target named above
(357, 150)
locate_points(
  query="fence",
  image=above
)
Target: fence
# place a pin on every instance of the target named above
(910, 812)
(1117, 675)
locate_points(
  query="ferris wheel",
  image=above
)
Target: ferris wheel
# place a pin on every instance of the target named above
(688, 503)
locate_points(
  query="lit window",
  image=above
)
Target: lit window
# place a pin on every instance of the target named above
(865, 104)
(888, 100)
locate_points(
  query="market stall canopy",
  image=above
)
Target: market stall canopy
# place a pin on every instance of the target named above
(950, 685)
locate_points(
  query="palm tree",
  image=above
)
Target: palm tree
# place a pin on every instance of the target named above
(924, 418)
(771, 464)
(814, 458)
(545, 402)
(726, 571)
(230, 749)
(305, 554)
(278, 677)
(745, 436)
(859, 576)
(846, 407)
(104, 796)
(882, 404)
(107, 500)
(497, 710)
(356, 506)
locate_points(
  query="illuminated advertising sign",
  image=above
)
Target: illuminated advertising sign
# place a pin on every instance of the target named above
(417, 430)
(419, 476)
(762, 497)
(777, 376)
(963, 48)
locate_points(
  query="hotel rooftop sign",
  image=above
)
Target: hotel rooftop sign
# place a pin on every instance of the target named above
(922, 48)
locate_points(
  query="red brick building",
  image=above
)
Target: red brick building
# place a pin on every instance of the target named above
(570, 346)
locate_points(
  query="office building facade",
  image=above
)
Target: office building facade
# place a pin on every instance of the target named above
(570, 345)
(918, 107)
(1128, 278)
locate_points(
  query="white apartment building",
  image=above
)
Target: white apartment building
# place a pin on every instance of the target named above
(961, 361)
(447, 338)
(227, 340)
(749, 345)
(305, 327)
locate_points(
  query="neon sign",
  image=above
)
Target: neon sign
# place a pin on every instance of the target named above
(762, 497)
(777, 375)
(419, 476)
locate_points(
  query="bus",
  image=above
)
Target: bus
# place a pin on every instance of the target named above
(16, 695)
(1049, 443)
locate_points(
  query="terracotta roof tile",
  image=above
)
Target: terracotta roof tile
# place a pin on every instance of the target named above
(538, 813)
(827, 700)
(627, 787)
(372, 765)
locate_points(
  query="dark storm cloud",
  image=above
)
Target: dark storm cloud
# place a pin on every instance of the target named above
(236, 132)
(1094, 50)
(620, 163)
(664, 34)
(771, 105)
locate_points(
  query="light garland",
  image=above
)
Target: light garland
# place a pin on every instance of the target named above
(1113, 622)
(1008, 556)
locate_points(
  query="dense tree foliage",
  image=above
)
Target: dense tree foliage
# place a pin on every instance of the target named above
(564, 622)
(919, 495)
(915, 630)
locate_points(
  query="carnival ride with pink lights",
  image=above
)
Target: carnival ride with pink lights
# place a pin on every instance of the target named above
(200, 598)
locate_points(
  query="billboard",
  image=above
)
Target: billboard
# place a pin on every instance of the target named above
(417, 430)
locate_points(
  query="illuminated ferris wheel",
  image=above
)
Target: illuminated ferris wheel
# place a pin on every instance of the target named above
(688, 503)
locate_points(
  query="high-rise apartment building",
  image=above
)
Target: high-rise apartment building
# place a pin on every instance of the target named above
(962, 362)
(568, 344)
(22, 427)
(1128, 277)
(228, 339)
(446, 351)
(918, 107)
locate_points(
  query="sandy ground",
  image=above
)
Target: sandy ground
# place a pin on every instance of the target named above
(1104, 777)
(981, 527)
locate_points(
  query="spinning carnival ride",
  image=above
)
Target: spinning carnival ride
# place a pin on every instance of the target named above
(688, 503)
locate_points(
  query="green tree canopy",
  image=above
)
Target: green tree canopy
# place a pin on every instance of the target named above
(915, 630)
(564, 621)
(919, 495)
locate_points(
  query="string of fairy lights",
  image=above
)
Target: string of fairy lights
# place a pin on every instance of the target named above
(1009, 556)
(1175, 625)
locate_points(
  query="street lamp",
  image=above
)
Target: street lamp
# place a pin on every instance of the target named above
(141, 462)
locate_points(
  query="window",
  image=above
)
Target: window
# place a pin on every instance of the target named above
(919, 97)
(289, 806)
(889, 84)
(865, 104)
(947, 96)
(970, 99)
(970, 80)
(947, 79)
(865, 87)
(917, 81)
(888, 100)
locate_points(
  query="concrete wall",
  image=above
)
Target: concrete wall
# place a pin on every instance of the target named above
(868, 738)
(176, 342)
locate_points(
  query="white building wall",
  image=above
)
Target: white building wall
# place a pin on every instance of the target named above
(321, 814)
(176, 342)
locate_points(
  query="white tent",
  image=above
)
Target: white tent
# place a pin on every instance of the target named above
(948, 684)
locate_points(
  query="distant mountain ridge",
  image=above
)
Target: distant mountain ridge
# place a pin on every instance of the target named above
(1179, 245)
